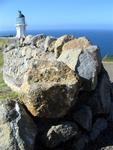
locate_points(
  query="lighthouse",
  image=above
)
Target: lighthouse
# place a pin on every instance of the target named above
(20, 25)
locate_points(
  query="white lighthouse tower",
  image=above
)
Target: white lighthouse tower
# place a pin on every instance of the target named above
(20, 25)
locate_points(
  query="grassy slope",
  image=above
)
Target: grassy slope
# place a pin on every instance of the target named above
(5, 92)
(108, 58)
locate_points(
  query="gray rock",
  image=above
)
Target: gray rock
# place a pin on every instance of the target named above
(49, 43)
(85, 62)
(70, 57)
(98, 127)
(95, 52)
(18, 60)
(84, 117)
(86, 69)
(28, 40)
(38, 40)
(17, 130)
(60, 42)
(61, 133)
(11, 46)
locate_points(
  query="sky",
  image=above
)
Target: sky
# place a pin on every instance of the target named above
(58, 14)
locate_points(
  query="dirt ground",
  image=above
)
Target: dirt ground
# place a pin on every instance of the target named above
(109, 68)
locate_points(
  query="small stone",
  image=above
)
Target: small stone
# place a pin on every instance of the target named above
(11, 46)
(49, 43)
(59, 44)
(36, 39)
(28, 40)
(61, 133)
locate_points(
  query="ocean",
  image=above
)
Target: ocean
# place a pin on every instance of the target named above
(102, 38)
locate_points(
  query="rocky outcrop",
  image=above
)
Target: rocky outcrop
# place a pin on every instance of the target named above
(17, 130)
(62, 82)
(44, 81)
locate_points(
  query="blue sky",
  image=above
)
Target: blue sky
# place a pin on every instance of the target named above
(58, 14)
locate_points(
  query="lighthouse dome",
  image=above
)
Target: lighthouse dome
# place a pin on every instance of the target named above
(20, 20)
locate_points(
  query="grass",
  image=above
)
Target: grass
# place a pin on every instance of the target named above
(8, 95)
(108, 58)
(3, 41)
(1, 59)
(5, 92)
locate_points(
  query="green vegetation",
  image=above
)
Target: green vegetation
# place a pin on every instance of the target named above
(108, 58)
(3, 41)
(8, 95)
(5, 92)
(1, 59)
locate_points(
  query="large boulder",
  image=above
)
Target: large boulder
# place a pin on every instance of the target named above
(85, 62)
(88, 67)
(18, 60)
(17, 130)
(49, 89)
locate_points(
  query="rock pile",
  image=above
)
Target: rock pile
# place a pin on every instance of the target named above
(63, 85)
